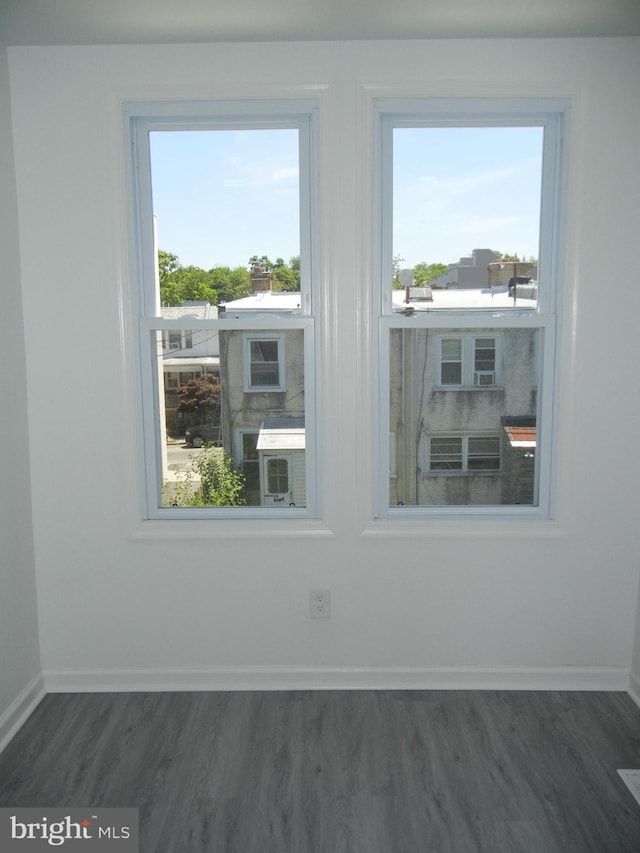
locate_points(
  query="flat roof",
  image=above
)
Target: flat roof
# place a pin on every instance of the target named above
(459, 298)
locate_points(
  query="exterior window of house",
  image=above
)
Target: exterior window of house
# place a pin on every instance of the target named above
(469, 361)
(172, 340)
(484, 368)
(470, 196)
(277, 476)
(451, 361)
(264, 364)
(225, 233)
(454, 453)
(464, 453)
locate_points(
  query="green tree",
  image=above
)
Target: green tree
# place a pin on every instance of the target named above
(211, 480)
(230, 284)
(396, 267)
(200, 396)
(195, 284)
(168, 265)
(221, 484)
(423, 272)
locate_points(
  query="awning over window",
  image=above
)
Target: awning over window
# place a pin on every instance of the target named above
(521, 436)
(281, 434)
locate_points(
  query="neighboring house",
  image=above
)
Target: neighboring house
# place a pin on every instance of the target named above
(262, 381)
(187, 355)
(469, 272)
(463, 408)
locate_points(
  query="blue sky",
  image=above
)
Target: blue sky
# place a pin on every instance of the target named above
(222, 196)
(459, 189)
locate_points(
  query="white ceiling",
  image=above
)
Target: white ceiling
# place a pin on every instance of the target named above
(50, 22)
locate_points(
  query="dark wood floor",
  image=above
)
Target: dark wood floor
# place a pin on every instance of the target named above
(341, 772)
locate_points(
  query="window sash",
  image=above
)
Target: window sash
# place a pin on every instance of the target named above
(264, 364)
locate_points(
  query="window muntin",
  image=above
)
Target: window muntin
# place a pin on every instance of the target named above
(213, 334)
(496, 335)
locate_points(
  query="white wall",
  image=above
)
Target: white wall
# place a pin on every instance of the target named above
(548, 604)
(20, 682)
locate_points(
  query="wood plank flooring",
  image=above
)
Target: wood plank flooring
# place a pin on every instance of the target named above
(340, 771)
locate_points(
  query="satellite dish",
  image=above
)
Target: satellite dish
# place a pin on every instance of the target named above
(405, 278)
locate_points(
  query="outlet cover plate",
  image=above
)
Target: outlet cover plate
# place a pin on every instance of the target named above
(320, 603)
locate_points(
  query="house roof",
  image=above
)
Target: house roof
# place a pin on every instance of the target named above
(485, 297)
(265, 302)
(193, 310)
(191, 361)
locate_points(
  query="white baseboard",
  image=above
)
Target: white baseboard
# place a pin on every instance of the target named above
(634, 688)
(21, 709)
(336, 678)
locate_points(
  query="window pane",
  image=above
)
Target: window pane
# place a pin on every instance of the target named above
(264, 368)
(466, 216)
(483, 454)
(223, 199)
(446, 454)
(451, 374)
(472, 445)
(226, 445)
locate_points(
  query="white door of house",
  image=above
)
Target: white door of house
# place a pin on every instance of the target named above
(277, 480)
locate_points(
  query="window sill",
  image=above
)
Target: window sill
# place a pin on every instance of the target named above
(268, 528)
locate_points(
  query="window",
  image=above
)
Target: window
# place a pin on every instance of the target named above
(469, 200)
(264, 364)
(464, 453)
(215, 185)
(469, 361)
(484, 368)
(277, 476)
(451, 361)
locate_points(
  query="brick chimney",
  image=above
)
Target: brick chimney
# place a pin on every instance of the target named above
(260, 279)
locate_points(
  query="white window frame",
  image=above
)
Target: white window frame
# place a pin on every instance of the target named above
(553, 115)
(141, 118)
(249, 386)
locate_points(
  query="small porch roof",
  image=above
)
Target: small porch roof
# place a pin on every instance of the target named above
(281, 434)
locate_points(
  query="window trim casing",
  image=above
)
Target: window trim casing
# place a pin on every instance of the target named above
(552, 113)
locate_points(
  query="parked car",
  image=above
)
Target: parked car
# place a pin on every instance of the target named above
(196, 436)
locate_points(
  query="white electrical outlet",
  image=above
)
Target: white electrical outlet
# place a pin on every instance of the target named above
(320, 603)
